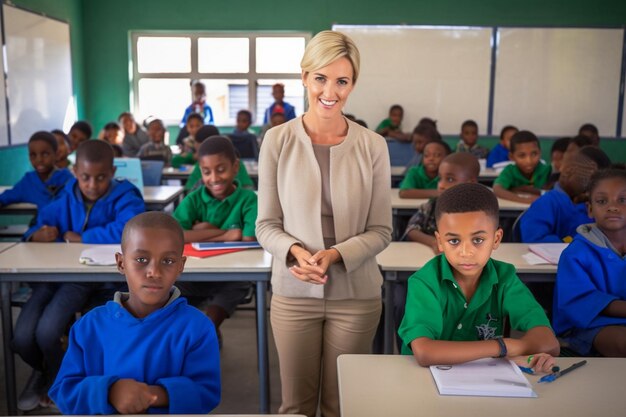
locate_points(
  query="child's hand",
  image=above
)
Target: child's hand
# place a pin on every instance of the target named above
(539, 362)
(128, 396)
(202, 226)
(232, 235)
(46, 234)
(305, 271)
(72, 237)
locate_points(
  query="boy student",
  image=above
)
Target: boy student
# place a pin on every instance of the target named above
(500, 152)
(278, 92)
(79, 132)
(391, 127)
(421, 181)
(63, 143)
(93, 208)
(156, 149)
(146, 351)
(134, 136)
(422, 134)
(590, 295)
(591, 131)
(219, 211)
(523, 181)
(457, 303)
(111, 133)
(44, 183)
(244, 141)
(469, 139)
(188, 145)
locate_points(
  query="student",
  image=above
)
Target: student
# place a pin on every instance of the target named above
(277, 118)
(589, 297)
(523, 181)
(469, 139)
(79, 132)
(391, 127)
(146, 351)
(557, 152)
(199, 104)
(219, 211)
(278, 92)
(45, 182)
(244, 141)
(134, 136)
(92, 209)
(576, 143)
(111, 133)
(500, 152)
(421, 181)
(63, 144)
(188, 145)
(422, 134)
(156, 149)
(457, 303)
(591, 131)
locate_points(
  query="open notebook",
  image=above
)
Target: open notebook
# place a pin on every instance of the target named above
(483, 377)
(548, 252)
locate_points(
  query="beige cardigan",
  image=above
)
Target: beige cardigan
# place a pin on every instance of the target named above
(290, 194)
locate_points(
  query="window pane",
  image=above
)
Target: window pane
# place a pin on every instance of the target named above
(226, 98)
(223, 55)
(163, 55)
(163, 98)
(294, 95)
(279, 55)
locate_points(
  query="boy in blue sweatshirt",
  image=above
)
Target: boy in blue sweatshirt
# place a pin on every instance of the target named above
(92, 209)
(590, 291)
(146, 351)
(42, 185)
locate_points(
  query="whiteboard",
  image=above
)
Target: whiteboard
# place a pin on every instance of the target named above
(4, 133)
(551, 81)
(39, 73)
(438, 72)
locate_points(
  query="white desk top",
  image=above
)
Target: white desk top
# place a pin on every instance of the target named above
(411, 256)
(413, 203)
(485, 174)
(395, 385)
(183, 172)
(6, 245)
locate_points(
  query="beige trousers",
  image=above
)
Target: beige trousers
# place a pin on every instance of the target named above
(310, 334)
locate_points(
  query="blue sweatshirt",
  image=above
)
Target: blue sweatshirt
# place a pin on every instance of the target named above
(174, 347)
(552, 218)
(102, 223)
(31, 189)
(590, 275)
(498, 154)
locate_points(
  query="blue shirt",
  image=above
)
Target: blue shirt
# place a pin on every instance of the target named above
(31, 189)
(498, 154)
(206, 112)
(290, 112)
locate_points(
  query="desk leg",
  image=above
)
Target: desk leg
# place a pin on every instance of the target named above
(396, 233)
(9, 360)
(262, 349)
(388, 325)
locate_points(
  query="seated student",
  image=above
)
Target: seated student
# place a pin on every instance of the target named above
(188, 145)
(469, 140)
(79, 132)
(156, 149)
(63, 143)
(557, 154)
(554, 217)
(422, 134)
(524, 180)
(146, 351)
(500, 152)
(244, 141)
(276, 118)
(134, 136)
(45, 182)
(391, 127)
(421, 181)
(576, 143)
(590, 295)
(219, 211)
(591, 131)
(111, 133)
(278, 92)
(92, 209)
(458, 302)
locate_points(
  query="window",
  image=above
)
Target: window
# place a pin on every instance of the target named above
(238, 70)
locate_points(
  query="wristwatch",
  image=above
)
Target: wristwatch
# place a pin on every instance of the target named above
(502, 345)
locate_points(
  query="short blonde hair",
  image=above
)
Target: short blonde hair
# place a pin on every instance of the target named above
(328, 46)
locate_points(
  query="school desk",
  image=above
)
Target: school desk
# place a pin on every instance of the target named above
(401, 259)
(487, 176)
(31, 262)
(395, 385)
(6, 245)
(181, 174)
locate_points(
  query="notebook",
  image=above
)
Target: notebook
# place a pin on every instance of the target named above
(99, 255)
(484, 378)
(551, 252)
(224, 245)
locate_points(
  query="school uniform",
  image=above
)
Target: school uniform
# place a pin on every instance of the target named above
(31, 189)
(478, 151)
(242, 177)
(589, 277)
(132, 142)
(498, 154)
(416, 178)
(245, 143)
(552, 218)
(436, 307)
(387, 124)
(174, 347)
(290, 112)
(203, 109)
(512, 177)
(153, 151)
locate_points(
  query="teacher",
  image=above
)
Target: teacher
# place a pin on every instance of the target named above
(324, 214)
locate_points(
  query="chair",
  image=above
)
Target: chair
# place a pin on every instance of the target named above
(152, 171)
(246, 145)
(516, 232)
(400, 153)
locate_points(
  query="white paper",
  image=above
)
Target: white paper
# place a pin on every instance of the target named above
(533, 259)
(100, 255)
(551, 252)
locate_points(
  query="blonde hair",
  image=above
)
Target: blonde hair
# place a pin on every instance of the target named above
(328, 46)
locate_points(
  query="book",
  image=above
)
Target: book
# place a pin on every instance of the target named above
(190, 251)
(551, 252)
(483, 377)
(224, 245)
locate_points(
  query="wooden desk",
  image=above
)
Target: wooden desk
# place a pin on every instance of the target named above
(401, 259)
(58, 262)
(395, 385)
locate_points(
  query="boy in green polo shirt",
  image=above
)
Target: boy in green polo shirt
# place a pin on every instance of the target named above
(524, 180)
(458, 302)
(220, 210)
(421, 181)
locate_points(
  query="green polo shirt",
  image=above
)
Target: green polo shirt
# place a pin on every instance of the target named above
(416, 178)
(237, 211)
(436, 307)
(242, 177)
(512, 177)
(387, 123)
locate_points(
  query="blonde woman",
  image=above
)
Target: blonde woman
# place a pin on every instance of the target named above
(324, 214)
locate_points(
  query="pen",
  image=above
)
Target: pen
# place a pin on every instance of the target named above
(558, 374)
(526, 370)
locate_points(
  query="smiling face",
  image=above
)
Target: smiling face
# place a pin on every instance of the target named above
(218, 174)
(607, 205)
(152, 260)
(42, 157)
(76, 137)
(94, 178)
(328, 88)
(156, 131)
(526, 156)
(467, 240)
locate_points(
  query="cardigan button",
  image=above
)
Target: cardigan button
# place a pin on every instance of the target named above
(460, 326)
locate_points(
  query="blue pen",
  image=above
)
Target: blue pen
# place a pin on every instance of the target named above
(551, 377)
(526, 370)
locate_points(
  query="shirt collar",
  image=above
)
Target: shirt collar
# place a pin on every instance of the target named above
(208, 198)
(488, 277)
